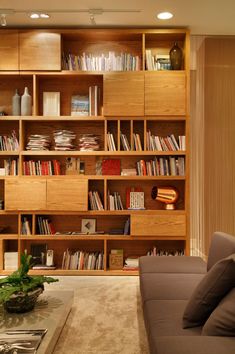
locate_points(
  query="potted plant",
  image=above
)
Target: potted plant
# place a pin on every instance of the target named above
(19, 291)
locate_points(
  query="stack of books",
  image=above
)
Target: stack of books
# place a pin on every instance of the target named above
(131, 263)
(64, 140)
(95, 200)
(89, 142)
(157, 62)
(38, 142)
(9, 142)
(129, 172)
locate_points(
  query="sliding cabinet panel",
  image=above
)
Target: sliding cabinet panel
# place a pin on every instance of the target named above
(67, 195)
(40, 50)
(23, 194)
(124, 94)
(165, 93)
(9, 50)
(158, 225)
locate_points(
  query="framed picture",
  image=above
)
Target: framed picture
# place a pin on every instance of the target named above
(88, 226)
(51, 103)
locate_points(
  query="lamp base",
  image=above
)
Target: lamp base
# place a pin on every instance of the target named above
(170, 206)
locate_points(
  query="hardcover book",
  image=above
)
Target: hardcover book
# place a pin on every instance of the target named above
(111, 167)
(79, 105)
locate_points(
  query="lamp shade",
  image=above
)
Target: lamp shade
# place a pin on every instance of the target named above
(167, 195)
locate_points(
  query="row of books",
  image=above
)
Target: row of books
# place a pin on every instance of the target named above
(9, 142)
(95, 200)
(110, 142)
(10, 167)
(155, 251)
(86, 104)
(162, 166)
(114, 201)
(25, 226)
(82, 260)
(125, 142)
(41, 168)
(168, 143)
(157, 62)
(137, 142)
(104, 62)
(45, 226)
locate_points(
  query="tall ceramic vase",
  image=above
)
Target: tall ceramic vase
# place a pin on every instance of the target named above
(26, 103)
(16, 104)
(176, 57)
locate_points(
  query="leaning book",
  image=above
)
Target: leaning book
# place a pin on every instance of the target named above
(79, 105)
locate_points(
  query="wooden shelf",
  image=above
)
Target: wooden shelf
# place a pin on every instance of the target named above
(133, 103)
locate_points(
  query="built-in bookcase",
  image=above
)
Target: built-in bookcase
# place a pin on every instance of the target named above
(134, 106)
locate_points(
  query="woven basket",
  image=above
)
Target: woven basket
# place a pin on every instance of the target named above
(21, 302)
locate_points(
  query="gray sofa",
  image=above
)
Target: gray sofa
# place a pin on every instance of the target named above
(166, 284)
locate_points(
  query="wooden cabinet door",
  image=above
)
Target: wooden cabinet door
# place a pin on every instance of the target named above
(165, 93)
(40, 50)
(9, 50)
(25, 194)
(158, 225)
(67, 195)
(124, 94)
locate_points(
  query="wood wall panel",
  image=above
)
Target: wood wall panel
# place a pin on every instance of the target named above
(219, 136)
(9, 50)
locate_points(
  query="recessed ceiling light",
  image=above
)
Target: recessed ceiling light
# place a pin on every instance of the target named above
(37, 15)
(164, 15)
(34, 15)
(43, 15)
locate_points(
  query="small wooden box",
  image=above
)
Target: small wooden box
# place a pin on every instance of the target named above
(115, 261)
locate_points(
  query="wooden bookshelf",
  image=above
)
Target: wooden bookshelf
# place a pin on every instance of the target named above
(131, 103)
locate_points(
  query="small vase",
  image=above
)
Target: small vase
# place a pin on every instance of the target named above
(26, 103)
(176, 57)
(16, 104)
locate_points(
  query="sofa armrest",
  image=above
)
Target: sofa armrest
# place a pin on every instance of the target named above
(193, 344)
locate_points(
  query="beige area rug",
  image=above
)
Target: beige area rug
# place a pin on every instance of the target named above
(106, 317)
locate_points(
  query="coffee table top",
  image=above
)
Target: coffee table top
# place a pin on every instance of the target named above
(50, 312)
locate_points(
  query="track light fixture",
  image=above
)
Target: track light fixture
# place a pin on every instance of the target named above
(3, 20)
(45, 14)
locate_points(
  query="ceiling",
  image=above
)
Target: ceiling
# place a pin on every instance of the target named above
(207, 17)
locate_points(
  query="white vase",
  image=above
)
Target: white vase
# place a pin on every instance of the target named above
(26, 103)
(16, 104)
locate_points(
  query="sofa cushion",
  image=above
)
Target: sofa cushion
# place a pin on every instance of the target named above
(177, 264)
(166, 286)
(212, 288)
(164, 318)
(222, 245)
(192, 345)
(222, 320)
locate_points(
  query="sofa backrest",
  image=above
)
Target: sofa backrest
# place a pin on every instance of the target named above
(222, 245)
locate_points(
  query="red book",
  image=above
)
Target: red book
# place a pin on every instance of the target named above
(111, 167)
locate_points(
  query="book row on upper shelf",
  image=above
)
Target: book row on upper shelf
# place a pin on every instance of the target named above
(124, 61)
(159, 166)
